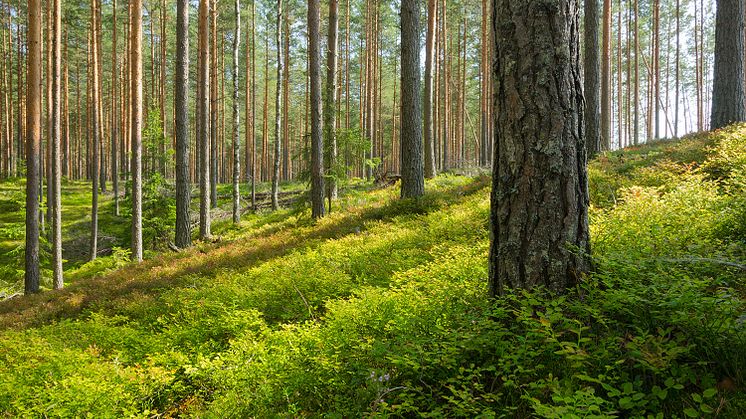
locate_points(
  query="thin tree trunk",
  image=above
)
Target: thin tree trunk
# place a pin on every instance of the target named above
(606, 80)
(213, 151)
(55, 181)
(95, 132)
(236, 118)
(317, 139)
(413, 171)
(330, 136)
(181, 107)
(278, 115)
(136, 117)
(114, 106)
(204, 120)
(33, 140)
(428, 105)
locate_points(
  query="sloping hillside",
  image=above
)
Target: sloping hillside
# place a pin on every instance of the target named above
(381, 309)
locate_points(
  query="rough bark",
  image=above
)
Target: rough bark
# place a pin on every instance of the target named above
(317, 140)
(412, 164)
(204, 121)
(55, 181)
(428, 105)
(539, 209)
(136, 116)
(278, 114)
(330, 103)
(95, 132)
(236, 117)
(728, 96)
(114, 106)
(592, 78)
(606, 79)
(181, 108)
(33, 141)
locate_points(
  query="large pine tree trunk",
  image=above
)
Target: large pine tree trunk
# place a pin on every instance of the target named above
(136, 126)
(412, 164)
(33, 141)
(317, 140)
(539, 210)
(592, 78)
(181, 107)
(728, 96)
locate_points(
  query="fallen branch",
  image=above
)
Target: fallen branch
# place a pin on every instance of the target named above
(692, 260)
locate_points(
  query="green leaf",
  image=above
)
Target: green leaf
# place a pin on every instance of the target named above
(710, 392)
(691, 412)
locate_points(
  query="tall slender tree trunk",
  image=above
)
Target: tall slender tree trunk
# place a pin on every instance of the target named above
(181, 108)
(236, 117)
(136, 117)
(606, 80)
(330, 136)
(428, 105)
(95, 131)
(539, 208)
(33, 141)
(204, 120)
(114, 107)
(213, 151)
(278, 115)
(55, 181)
(317, 139)
(286, 161)
(678, 70)
(591, 80)
(413, 171)
(728, 96)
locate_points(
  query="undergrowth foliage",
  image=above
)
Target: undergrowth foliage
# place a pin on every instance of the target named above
(382, 309)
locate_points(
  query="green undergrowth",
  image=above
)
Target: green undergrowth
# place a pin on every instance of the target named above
(381, 309)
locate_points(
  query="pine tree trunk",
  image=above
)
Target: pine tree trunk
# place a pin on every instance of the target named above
(33, 141)
(95, 132)
(606, 80)
(114, 106)
(181, 107)
(330, 136)
(540, 190)
(55, 181)
(317, 139)
(204, 120)
(728, 96)
(278, 115)
(136, 118)
(412, 169)
(428, 105)
(236, 118)
(213, 151)
(591, 80)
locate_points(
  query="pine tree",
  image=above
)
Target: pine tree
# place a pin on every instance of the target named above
(548, 187)
(413, 171)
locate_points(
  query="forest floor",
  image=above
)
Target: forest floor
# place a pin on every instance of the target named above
(381, 308)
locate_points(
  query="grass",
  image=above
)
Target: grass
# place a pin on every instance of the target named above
(381, 309)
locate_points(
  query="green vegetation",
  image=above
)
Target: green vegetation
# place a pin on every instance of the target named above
(381, 308)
